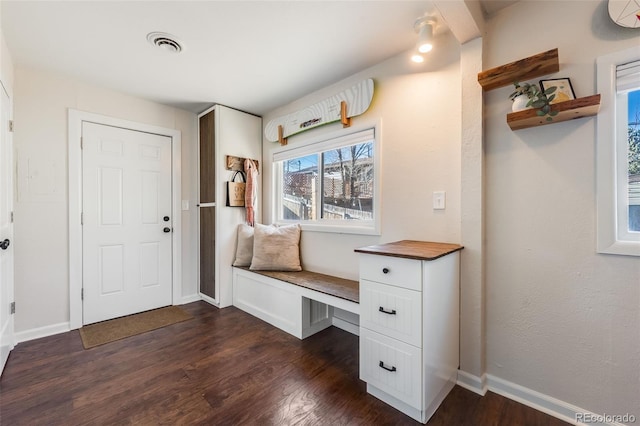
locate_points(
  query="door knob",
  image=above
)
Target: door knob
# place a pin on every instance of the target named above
(167, 230)
(166, 218)
(5, 244)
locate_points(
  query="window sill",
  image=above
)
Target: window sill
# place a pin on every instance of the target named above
(334, 228)
(625, 248)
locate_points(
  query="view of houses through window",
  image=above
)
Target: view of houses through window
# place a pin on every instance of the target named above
(337, 184)
(634, 159)
(300, 176)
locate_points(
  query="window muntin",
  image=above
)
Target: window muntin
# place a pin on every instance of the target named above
(330, 185)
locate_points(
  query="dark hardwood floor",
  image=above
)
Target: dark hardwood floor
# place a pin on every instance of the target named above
(223, 367)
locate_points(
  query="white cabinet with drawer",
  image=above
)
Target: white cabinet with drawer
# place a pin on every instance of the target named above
(392, 311)
(395, 271)
(409, 320)
(391, 366)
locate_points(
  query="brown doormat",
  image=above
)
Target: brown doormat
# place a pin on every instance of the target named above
(109, 331)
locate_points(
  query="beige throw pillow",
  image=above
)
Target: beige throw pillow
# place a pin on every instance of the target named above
(244, 249)
(276, 248)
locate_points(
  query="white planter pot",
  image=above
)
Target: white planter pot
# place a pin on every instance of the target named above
(520, 103)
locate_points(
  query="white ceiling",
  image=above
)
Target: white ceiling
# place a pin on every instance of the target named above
(250, 55)
(490, 7)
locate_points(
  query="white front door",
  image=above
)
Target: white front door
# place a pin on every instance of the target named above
(127, 223)
(6, 231)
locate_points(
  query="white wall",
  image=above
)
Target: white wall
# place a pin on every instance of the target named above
(420, 154)
(472, 287)
(41, 232)
(561, 319)
(6, 65)
(239, 134)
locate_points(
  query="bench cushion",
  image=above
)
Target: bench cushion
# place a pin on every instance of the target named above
(244, 249)
(276, 248)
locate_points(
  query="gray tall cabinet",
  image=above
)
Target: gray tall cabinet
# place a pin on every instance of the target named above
(222, 131)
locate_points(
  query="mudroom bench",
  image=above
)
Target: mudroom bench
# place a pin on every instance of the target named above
(300, 303)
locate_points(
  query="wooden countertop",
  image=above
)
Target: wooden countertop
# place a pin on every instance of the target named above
(420, 250)
(333, 286)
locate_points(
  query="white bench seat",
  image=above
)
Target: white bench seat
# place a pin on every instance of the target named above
(300, 303)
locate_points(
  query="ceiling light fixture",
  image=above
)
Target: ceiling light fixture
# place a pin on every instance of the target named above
(424, 27)
(417, 58)
(164, 41)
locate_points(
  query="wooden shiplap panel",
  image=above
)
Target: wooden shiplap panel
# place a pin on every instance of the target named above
(524, 69)
(207, 251)
(207, 159)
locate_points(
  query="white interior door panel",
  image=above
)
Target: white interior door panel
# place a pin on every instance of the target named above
(127, 224)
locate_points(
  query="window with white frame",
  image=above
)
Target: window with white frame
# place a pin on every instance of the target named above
(618, 153)
(330, 185)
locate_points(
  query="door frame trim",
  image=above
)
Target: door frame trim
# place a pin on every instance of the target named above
(75, 119)
(10, 326)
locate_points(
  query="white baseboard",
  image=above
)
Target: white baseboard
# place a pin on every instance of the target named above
(473, 383)
(534, 399)
(545, 403)
(541, 402)
(50, 330)
(37, 333)
(209, 300)
(345, 325)
(189, 299)
(63, 327)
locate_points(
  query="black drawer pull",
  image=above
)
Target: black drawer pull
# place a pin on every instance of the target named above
(392, 369)
(391, 312)
(385, 270)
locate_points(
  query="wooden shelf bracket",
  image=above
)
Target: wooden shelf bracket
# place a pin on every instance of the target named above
(237, 163)
(281, 139)
(346, 121)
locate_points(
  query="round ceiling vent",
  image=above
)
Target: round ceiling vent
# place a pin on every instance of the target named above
(164, 41)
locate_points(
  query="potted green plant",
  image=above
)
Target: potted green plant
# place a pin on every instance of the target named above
(527, 95)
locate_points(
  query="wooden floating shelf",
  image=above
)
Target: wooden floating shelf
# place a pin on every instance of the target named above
(525, 69)
(568, 110)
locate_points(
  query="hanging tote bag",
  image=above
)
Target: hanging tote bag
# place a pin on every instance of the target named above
(235, 190)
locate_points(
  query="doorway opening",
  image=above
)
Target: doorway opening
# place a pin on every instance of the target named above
(78, 119)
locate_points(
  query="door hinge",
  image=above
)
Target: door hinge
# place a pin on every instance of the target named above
(81, 218)
(12, 308)
(11, 217)
(82, 294)
(80, 142)
(11, 126)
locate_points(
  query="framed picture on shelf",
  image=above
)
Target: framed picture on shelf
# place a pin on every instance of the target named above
(564, 91)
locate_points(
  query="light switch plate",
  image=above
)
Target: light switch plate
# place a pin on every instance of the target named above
(185, 205)
(439, 200)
